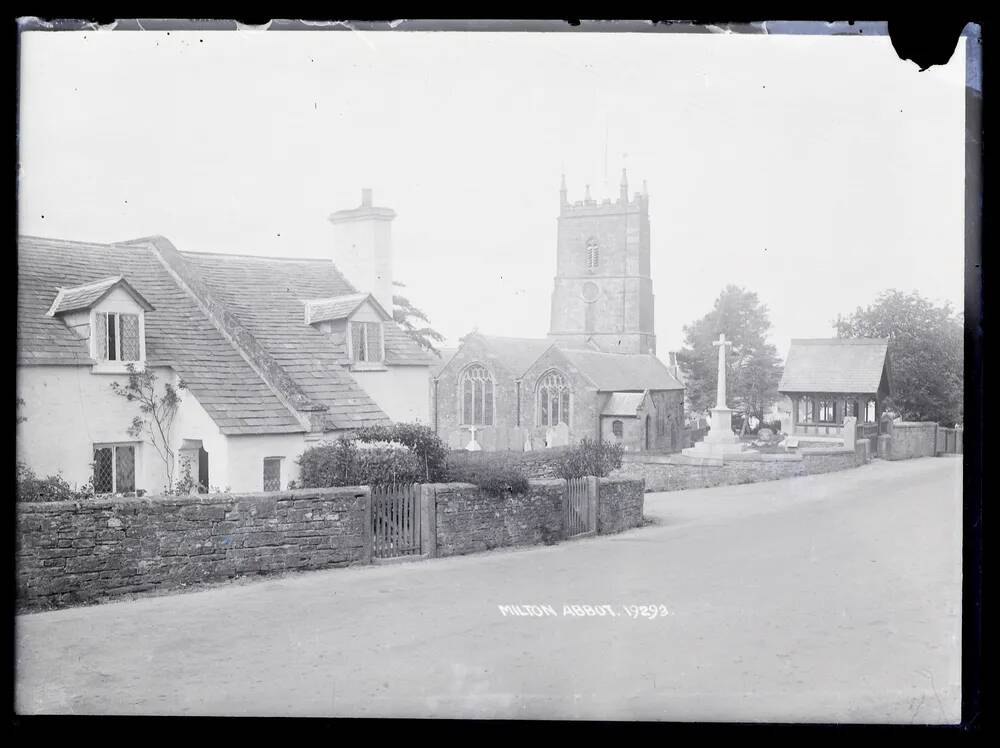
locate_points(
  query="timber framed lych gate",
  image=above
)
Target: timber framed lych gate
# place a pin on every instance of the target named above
(396, 521)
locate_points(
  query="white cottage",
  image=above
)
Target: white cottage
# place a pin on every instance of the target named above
(276, 354)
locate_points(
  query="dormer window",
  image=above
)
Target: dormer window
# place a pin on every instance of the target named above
(366, 341)
(117, 336)
(356, 322)
(110, 315)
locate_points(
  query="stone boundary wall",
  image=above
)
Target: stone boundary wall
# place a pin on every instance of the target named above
(469, 520)
(70, 553)
(619, 504)
(661, 475)
(909, 439)
(79, 552)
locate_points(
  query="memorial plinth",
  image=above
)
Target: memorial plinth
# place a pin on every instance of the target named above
(720, 440)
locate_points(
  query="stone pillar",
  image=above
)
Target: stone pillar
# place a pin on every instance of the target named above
(850, 431)
(428, 520)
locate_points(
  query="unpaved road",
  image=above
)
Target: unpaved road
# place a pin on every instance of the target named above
(833, 598)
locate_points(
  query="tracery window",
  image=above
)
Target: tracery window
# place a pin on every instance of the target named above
(553, 399)
(477, 388)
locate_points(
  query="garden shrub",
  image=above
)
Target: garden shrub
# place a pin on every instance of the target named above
(591, 457)
(354, 463)
(429, 448)
(500, 480)
(29, 487)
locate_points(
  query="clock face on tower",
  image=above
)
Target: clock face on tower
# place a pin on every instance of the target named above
(590, 291)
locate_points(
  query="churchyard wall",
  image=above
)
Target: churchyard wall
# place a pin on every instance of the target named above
(662, 474)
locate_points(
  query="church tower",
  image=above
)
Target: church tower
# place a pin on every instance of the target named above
(603, 290)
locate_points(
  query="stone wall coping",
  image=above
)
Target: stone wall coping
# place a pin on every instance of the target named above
(913, 424)
(764, 457)
(192, 499)
(816, 451)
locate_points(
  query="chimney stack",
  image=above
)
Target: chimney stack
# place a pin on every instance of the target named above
(362, 248)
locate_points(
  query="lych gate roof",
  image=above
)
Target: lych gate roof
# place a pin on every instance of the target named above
(612, 372)
(848, 365)
(86, 295)
(623, 403)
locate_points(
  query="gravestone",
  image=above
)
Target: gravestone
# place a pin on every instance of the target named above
(559, 435)
(457, 439)
(527, 440)
(473, 445)
(487, 438)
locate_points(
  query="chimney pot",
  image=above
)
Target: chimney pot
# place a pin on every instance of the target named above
(366, 197)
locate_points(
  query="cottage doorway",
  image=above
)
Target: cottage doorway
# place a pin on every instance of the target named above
(202, 470)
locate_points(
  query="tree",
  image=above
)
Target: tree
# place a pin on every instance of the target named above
(753, 368)
(157, 413)
(409, 318)
(926, 354)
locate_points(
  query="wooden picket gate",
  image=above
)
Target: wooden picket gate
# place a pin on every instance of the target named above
(396, 521)
(580, 507)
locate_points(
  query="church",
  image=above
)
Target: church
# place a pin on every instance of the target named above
(596, 375)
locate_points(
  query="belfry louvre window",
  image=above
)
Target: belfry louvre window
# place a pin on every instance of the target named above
(553, 400)
(477, 388)
(114, 468)
(117, 336)
(593, 253)
(366, 341)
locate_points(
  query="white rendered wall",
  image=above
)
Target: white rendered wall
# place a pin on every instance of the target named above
(68, 410)
(193, 422)
(246, 459)
(400, 391)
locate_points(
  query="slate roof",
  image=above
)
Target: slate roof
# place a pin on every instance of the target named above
(517, 354)
(178, 334)
(848, 365)
(267, 294)
(623, 403)
(612, 372)
(88, 294)
(264, 294)
(338, 307)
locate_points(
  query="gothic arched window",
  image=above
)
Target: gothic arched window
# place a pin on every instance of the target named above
(553, 399)
(618, 429)
(593, 253)
(476, 386)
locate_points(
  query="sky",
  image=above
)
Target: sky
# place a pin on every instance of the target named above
(816, 171)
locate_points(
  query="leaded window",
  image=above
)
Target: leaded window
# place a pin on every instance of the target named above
(617, 428)
(272, 473)
(117, 336)
(553, 399)
(114, 468)
(366, 341)
(477, 388)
